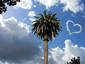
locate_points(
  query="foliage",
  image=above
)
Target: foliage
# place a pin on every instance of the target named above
(74, 61)
(46, 24)
(3, 3)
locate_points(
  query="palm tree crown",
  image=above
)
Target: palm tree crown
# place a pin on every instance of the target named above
(46, 24)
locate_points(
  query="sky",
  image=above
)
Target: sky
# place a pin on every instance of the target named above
(18, 44)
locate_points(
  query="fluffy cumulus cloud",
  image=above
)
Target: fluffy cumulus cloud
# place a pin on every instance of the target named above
(18, 46)
(48, 3)
(15, 43)
(26, 4)
(72, 5)
(61, 56)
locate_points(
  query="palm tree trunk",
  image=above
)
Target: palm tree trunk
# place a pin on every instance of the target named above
(45, 51)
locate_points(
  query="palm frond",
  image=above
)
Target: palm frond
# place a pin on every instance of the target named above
(46, 24)
(36, 17)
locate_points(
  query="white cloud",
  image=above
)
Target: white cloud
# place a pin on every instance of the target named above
(31, 13)
(61, 56)
(1, 18)
(17, 44)
(34, 6)
(11, 25)
(74, 25)
(26, 4)
(48, 3)
(72, 5)
(3, 63)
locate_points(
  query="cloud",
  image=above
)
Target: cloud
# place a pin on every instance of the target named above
(61, 56)
(84, 16)
(16, 42)
(1, 18)
(71, 50)
(75, 25)
(18, 46)
(14, 50)
(32, 19)
(48, 3)
(25, 4)
(31, 15)
(72, 5)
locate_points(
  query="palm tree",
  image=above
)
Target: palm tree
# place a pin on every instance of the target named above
(46, 26)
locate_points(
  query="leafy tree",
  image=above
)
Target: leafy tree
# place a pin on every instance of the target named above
(46, 26)
(3, 3)
(74, 61)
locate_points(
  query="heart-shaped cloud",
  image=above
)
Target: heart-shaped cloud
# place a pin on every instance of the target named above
(68, 29)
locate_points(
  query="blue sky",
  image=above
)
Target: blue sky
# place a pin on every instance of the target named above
(72, 18)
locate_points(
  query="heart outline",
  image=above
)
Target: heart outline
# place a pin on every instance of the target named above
(68, 29)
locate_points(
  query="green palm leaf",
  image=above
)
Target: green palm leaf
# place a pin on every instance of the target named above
(46, 24)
